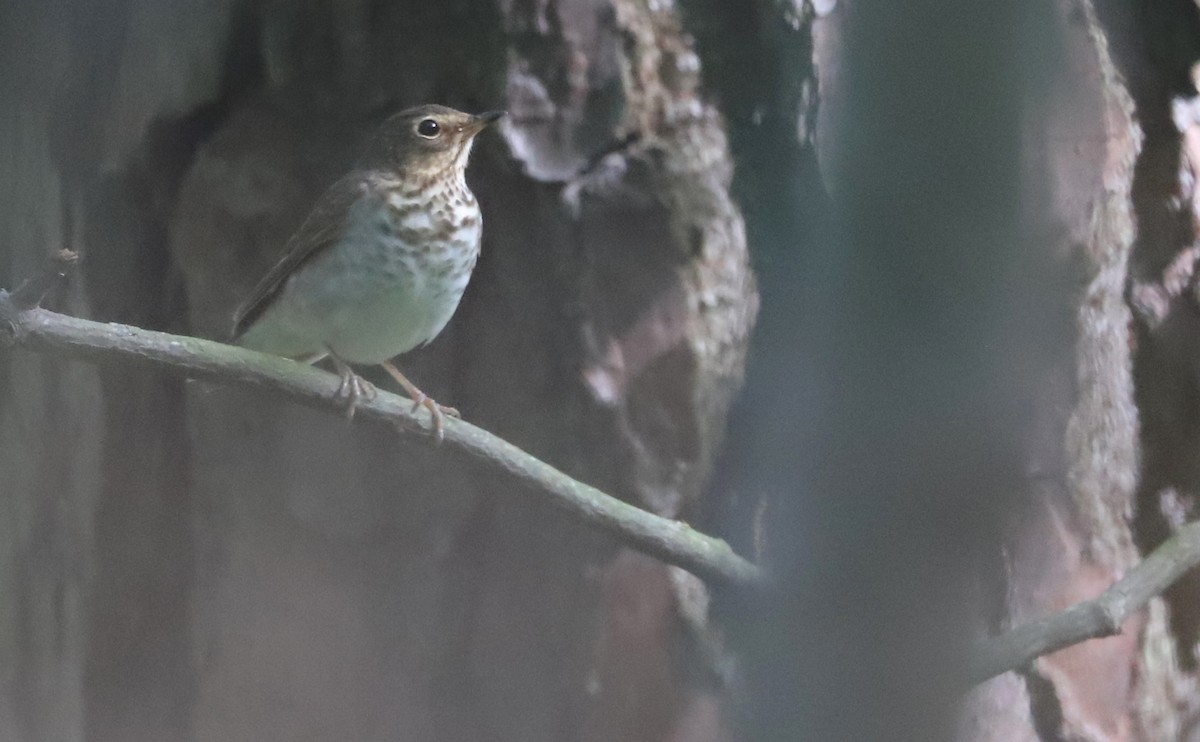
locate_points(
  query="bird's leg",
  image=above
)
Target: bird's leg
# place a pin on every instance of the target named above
(311, 358)
(436, 411)
(353, 387)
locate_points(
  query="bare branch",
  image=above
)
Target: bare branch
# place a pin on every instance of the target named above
(671, 541)
(1091, 619)
(31, 292)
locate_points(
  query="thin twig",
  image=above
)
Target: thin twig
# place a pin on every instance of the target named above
(31, 292)
(671, 541)
(1091, 619)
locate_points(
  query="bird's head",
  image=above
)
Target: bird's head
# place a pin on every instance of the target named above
(429, 140)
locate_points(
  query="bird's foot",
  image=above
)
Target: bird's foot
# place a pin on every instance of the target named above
(437, 412)
(353, 389)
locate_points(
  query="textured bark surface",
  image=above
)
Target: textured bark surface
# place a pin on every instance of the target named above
(1069, 539)
(1118, 199)
(202, 564)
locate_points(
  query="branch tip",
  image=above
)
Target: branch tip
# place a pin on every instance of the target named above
(30, 293)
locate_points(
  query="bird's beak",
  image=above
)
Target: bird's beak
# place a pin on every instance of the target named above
(482, 121)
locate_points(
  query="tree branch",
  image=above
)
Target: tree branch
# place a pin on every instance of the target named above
(671, 541)
(1091, 619)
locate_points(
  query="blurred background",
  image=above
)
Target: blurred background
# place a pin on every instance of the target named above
(898, 298)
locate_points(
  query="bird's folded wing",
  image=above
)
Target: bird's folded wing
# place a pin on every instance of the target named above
(320, 230)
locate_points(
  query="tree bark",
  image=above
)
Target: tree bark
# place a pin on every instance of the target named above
(1109, 157)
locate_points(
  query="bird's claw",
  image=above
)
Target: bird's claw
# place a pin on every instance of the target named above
(354, 388)
(437, 414)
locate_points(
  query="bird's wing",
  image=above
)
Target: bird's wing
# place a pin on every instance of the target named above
(320, 230)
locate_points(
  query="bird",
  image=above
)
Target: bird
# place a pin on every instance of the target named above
(380, 264)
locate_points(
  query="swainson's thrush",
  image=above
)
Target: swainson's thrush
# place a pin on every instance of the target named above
(381, 263)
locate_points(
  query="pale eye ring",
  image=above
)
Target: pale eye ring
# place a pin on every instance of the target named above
(428, 128)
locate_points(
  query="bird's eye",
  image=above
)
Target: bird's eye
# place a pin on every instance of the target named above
(428, 128)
